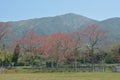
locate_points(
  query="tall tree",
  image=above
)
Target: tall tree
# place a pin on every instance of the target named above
(57, 47)
(16, 54)
(93, 36)
(29, 44)
(4, 26)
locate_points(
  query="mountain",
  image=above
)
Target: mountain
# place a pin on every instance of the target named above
(48, 25)
(64, 23)
(112, 27)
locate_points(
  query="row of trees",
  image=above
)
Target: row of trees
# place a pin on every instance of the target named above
(84, 46)
(59, 49)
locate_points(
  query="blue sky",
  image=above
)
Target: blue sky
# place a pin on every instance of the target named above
(14, 10)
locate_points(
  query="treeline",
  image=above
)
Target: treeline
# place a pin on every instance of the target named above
(86, 46)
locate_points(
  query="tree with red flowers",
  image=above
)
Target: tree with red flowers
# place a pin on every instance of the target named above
(57, 47)
(93, 35)
(29, 43)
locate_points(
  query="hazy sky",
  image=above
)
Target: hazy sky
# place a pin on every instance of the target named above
(13, 10)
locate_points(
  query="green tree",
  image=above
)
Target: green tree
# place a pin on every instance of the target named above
(2, 58)
(8, 57)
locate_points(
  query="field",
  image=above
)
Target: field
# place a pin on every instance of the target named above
(62, 76)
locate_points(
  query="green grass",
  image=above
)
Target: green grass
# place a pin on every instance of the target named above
(62, 76)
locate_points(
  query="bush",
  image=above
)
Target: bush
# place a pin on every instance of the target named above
(110, 59)
(37, 62)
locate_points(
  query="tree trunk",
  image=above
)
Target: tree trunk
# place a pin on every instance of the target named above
(75, 65)
(57, 64)
(52, 64)
(92, 59)
(2, 69)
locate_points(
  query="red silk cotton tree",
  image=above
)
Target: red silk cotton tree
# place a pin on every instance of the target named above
(57, 47)
(29, 43)
(93, 35)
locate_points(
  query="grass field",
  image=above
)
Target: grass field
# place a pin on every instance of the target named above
(62, 76)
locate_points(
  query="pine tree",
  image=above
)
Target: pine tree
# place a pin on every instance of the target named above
(16, 54)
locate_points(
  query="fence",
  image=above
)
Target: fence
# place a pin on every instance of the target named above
(116, 69)
(80, 68)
